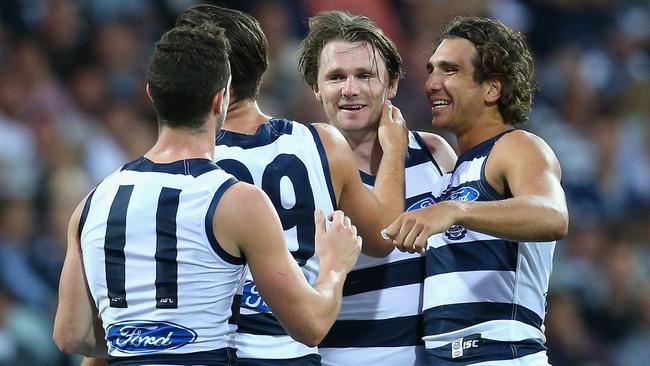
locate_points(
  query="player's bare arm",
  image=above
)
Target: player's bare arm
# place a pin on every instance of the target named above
(370, 211)
(77, 327)
(520, 164)
(306, 312)
(441, 151)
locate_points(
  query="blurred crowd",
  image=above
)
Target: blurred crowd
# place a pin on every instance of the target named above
(73, 109)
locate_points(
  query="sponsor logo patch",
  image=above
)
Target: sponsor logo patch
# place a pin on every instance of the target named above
(143, 336)
(252, 299)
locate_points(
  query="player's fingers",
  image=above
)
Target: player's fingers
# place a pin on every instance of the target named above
(420, 244)
(410, 239)
(319, 220)
(391, 230)
(336, 216)
(386, 112)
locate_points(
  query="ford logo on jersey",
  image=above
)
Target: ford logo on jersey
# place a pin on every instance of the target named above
(464, 194)
(425, 202)
(143, 336)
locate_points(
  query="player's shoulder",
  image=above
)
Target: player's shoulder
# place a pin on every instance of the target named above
(440, 149)
(521, 140)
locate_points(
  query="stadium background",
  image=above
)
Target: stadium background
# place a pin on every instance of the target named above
(73, 109)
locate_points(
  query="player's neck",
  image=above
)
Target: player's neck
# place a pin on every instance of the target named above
(244, 116)
(479, 131)
(175, 144)
(367, 152)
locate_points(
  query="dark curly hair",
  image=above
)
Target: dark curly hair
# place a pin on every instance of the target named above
(249, 54)
(187, 68)
(501, 54)
(337, 25)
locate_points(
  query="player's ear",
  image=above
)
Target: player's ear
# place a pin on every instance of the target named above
(317, 93)
(493, 92)
(149, 92)
(218, 106)
(392, 89)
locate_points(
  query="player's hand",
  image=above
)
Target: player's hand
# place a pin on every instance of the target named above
(339, 246)
(392, 133)
(411, 230)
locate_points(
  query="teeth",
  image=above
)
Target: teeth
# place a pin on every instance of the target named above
(440, 103)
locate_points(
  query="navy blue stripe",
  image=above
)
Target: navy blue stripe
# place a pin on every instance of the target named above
(234, 309)
(488, 192)
(395, 332)
(193, 167)
(166, 249)
(488, 255)
(219, 357)
(114, 242)
(488, 350)
(311, 359)
(323, 159)
(479, 150)
(449, 318)
(84, 214)
(367, 179)
(425, 150)
(266, 134)
(210, 231)
(261, 324)
(399, 273)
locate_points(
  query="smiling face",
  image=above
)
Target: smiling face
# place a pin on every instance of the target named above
(352, 85)
(456, 98)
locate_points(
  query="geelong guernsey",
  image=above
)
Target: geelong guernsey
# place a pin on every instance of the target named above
(380, 322)
(287, 160)
(484, 297)
(161, 282)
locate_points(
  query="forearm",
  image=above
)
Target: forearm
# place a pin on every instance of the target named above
(389, 185)
(525, 218)
(313, 315)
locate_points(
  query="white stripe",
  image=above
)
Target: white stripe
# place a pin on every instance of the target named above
(472, 286)
(381, 304)
(497, 330)
(399, 356)
(271, 347)
(468, 171)
(414, 183)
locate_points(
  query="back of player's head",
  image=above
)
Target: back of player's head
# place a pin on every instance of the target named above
(186, 69)
(337, 25)
(501, 54)
(249, 54)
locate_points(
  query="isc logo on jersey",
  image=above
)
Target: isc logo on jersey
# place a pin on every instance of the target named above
(457, 232)
(143, 336)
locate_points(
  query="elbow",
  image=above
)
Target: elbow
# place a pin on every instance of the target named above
(66, 342)
(559, 225)
(311, 335)
(311, 338)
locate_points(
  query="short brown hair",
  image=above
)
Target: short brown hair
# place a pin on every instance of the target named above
(337, 25)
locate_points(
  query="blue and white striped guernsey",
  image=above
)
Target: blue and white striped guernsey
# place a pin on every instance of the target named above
(161, 282)
(484, 297)
(287, 160)
(380, 322)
